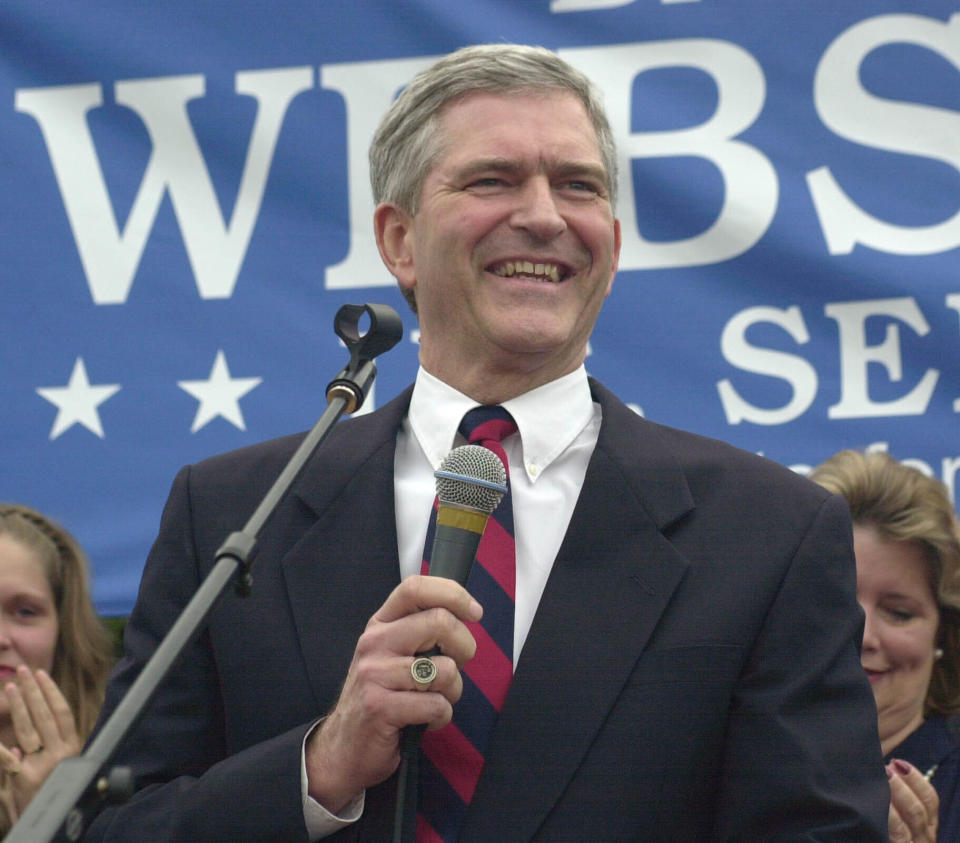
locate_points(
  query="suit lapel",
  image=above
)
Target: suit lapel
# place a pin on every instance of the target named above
(345, 561)
(613, 578)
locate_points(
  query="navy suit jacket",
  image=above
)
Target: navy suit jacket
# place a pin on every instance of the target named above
(692, 672)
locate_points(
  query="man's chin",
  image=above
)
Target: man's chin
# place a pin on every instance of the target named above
(534, 345)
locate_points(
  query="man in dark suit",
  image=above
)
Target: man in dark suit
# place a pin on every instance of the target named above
(686, 632)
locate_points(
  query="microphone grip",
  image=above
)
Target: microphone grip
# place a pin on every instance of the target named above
(455, 543)
(454, 549)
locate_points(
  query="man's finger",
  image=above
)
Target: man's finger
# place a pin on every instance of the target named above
(417, 593)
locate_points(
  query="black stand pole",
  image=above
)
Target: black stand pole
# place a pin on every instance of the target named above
(77, 790)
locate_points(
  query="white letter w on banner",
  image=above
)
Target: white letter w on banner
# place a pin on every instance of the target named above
(216, 250)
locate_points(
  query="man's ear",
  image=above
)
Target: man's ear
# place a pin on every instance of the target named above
(394, 231)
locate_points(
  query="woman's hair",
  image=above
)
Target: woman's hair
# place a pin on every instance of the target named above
(84, 652)
(408, 141)
(905, 505)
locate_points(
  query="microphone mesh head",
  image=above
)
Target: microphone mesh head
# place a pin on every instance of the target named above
(475, 465)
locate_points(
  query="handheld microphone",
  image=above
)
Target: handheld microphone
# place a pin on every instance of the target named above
(471, 481)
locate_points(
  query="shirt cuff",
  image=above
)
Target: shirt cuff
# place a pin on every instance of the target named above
(319, 821)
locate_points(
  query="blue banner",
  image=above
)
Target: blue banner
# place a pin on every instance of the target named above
(185, 206)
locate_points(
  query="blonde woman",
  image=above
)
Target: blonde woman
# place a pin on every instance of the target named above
(54, 654)
(907, 544)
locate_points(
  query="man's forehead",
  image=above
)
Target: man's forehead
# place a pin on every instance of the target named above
(493, 115)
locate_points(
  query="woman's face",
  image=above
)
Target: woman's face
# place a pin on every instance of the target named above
(28, 614)
(899, 637)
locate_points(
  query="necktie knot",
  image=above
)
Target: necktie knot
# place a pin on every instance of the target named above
(489, 423)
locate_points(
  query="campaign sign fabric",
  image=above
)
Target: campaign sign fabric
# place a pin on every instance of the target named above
(185, 207)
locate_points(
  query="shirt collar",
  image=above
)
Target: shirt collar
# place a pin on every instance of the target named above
(548, 418)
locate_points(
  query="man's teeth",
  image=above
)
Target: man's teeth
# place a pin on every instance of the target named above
(546, 271)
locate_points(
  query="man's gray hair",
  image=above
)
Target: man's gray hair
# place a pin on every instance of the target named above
(408, 142)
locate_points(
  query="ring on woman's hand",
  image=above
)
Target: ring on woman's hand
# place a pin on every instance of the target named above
(423, 671)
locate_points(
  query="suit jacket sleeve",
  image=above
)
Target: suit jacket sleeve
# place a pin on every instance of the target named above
(801, 754)
(191, 788)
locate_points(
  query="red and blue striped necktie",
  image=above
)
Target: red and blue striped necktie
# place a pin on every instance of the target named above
(453, 756)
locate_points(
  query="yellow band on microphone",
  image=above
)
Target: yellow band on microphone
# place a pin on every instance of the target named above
(463, 519)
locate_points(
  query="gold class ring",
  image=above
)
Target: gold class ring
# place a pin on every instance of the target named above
(423, 671)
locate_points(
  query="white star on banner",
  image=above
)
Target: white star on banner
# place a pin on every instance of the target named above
(219, 395)
(77, 401)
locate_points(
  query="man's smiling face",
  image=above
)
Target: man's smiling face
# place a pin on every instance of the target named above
(514, 245)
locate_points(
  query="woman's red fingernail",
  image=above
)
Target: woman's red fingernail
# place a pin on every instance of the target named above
(902, 767)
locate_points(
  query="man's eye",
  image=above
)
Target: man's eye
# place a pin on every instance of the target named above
(487, 181)
(583, 186)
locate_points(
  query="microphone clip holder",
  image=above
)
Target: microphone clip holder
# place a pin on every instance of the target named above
(353, 383)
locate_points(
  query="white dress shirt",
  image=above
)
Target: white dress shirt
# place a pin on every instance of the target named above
(557, 429)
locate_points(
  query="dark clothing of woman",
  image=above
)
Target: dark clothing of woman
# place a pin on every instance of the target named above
(936, 746)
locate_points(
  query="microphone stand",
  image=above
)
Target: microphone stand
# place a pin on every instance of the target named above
(78, 788)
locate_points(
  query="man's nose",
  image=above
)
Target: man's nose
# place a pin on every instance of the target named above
(537, 211)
